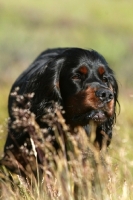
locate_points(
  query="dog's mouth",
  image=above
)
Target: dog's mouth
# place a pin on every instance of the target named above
(97, 116)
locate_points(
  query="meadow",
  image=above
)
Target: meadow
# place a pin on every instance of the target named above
(29, 27)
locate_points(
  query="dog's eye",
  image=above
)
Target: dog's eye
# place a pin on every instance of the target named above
(76, 77)
(105, 79)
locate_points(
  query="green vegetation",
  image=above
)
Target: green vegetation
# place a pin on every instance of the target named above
(29, 27)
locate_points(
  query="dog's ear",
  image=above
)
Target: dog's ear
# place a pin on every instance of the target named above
(46, 86)
(42, 79)
(115, 88)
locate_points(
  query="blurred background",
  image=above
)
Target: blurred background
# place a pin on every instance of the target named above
(29, 27)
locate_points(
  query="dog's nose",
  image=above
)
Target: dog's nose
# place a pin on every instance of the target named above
(104, 95)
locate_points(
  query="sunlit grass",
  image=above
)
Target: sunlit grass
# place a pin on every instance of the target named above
(77, 170)
(29, 27)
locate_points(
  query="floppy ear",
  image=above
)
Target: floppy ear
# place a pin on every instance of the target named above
(46, 87)
(114, 85)
(42, 80)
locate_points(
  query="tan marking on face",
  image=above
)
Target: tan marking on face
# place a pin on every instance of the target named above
(111, 103)
(86, 100)
(81, 102)
(57, 85)
(111, 88)
(83, 70)
(101, 70)
(111, 108)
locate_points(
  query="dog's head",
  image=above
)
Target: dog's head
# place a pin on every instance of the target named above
(87, 86)
(79, 80)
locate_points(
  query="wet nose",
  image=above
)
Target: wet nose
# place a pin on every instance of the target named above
(104, 95)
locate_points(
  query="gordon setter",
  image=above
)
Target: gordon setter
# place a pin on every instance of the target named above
(77, 79)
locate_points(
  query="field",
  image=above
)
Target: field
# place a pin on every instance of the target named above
(29, 27)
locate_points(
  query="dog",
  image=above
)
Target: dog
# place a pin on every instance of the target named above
(80, 81)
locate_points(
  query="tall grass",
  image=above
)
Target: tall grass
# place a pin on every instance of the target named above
(68, 165)
(27, 28)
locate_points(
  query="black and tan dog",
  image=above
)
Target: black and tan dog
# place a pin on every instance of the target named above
(79, 80)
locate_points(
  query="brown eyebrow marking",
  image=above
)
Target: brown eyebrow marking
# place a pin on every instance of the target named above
(83, 70)
(101, 70)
